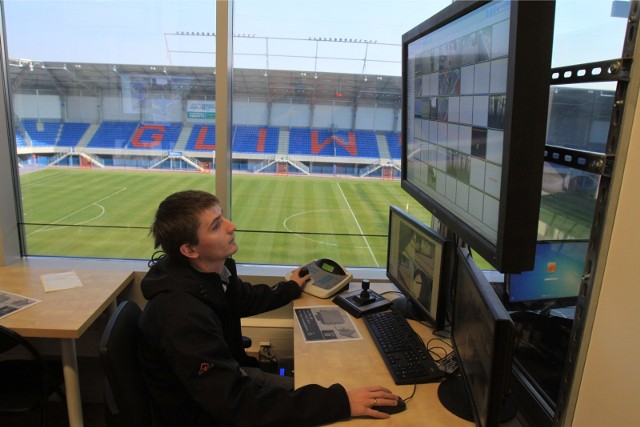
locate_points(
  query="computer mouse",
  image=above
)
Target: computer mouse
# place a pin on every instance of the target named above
(392, 409)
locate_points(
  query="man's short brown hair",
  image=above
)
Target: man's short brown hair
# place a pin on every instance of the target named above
(178, 218)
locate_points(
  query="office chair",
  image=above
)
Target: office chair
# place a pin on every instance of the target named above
(126, 396)
(26, 382)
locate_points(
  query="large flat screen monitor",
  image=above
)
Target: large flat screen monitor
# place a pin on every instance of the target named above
(556, 275)
(483, 339)
(475, 99)
(416, 257)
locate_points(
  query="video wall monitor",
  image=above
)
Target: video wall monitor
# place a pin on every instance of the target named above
(556, 275)
(475, 100)
(482, 334)
(416, 257)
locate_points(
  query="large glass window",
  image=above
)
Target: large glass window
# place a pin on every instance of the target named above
(114, 107)
(317, 92)
(107, 98)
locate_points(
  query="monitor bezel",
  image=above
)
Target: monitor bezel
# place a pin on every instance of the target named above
(503, 346)
(439, 318)
(531, 27)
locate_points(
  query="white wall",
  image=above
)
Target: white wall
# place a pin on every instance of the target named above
(249, 113)
(81, 108)
(375, 117)
(610, 386)
(289, 114)
(332, 115)
(158, 108)
(84, 109)
(112, 110)
(35, 106)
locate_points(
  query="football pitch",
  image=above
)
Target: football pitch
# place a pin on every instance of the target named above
(280, 219)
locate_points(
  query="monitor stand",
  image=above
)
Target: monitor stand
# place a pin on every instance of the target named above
(453, 395)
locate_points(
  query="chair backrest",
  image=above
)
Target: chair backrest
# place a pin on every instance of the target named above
(26, 379)
(126, 395)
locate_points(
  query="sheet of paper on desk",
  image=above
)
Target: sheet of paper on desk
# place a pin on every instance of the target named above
(326, 323)
(11, 303)
(59, 281)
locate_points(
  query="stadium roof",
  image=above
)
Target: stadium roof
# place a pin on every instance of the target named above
(29, 76)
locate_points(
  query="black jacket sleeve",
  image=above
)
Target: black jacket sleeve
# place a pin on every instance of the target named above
(250, 300)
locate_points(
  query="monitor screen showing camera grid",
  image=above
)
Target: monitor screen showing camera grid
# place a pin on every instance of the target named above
(457, 89)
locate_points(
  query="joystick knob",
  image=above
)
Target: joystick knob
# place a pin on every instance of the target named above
(364, 294)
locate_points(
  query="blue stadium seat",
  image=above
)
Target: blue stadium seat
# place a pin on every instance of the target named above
(395, 147)
(72, 133)
(202, 138)
(42, 133)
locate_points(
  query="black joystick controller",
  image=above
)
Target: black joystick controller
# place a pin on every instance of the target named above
(365, 296)
(360, 302)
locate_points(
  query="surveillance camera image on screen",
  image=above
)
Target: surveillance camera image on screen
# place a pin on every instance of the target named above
(415, 264)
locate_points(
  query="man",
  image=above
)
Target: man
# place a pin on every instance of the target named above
(195, 366)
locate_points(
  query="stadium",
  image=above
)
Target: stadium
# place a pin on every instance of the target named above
(134, 118)
(150, 120)
(285, 123)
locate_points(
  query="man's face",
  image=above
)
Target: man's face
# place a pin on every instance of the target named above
(216, 241)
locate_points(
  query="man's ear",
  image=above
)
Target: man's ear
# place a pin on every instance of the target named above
(189, 251)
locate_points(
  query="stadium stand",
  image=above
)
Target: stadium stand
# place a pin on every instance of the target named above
(197, 141)
(393, 141)
(113, 135)
(203, 137)
(42, 133)
(71, 133)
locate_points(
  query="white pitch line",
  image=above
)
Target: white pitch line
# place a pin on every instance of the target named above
(358, 224)
(96, 203)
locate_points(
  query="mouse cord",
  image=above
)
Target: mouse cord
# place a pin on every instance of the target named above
(415, 387)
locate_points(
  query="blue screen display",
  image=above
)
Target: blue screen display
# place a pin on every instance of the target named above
(557, 273)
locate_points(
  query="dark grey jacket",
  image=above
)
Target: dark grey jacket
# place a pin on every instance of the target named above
(192, 354)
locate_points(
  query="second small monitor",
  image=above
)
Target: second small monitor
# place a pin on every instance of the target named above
(556, 276)
(415, 264)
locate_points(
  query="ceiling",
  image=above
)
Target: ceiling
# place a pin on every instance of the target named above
(66, 79)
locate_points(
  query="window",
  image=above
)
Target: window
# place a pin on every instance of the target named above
(114, 108)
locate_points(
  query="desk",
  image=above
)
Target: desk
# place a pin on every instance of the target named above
(357, 363)
(64, 315)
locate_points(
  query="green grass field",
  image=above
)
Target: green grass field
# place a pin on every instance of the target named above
(280, 219)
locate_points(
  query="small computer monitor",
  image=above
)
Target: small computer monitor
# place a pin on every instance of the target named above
(416, 257)
(482, 334)
(556, 275)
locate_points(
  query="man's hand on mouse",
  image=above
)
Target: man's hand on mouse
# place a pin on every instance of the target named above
(363, 399)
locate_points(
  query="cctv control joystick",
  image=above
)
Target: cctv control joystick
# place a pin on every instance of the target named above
(364, 294)
(362, 301)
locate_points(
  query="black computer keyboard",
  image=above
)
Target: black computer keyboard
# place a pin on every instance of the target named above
(405, 355)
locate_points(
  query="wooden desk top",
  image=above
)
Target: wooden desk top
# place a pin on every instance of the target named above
(65, 313)
(357, 363)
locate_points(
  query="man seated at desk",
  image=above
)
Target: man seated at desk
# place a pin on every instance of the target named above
(195, 366)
